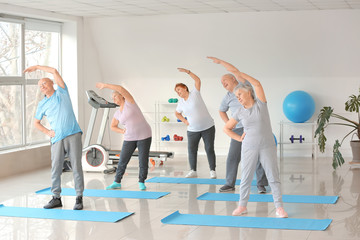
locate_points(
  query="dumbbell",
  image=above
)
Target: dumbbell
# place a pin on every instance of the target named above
(180, 120)
(292, 139)
(173, 100)
(167, 138)
(178, 138)
(165, 119)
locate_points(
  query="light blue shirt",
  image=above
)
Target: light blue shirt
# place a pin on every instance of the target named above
(196, 112)
(230, 102)
(60, 114)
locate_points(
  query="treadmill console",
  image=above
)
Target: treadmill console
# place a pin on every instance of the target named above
(98, 102)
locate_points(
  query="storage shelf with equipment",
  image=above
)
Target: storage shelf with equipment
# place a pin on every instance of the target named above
(289, 135)
(169, 131)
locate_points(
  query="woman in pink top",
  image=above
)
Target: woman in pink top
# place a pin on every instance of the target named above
(137, 134)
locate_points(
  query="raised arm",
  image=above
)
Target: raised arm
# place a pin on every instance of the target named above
(193, 76)
(57, 77)
(240, 76)
(128, 97)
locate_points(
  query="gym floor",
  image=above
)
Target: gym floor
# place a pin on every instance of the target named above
(302, 176)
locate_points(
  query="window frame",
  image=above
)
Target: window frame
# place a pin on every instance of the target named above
(35, 25)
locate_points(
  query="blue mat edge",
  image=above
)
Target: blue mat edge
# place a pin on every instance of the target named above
(128, 214)
(330, 202)
(48, 188)
(168, 218)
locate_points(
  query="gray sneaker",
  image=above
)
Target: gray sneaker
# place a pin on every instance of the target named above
(261, 189)
(54, 203)
(79, 203)
(226, 188)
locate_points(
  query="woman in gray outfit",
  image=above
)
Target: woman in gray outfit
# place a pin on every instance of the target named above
(257, 140)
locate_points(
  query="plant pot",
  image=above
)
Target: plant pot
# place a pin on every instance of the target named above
(355, 147)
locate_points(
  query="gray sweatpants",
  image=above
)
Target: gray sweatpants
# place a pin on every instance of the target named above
(268, 160)
(127, 150)
(233, 160)
(208, 137)
(72, 147)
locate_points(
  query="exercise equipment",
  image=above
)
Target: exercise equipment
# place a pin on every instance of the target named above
(173, 100)
(166, 138)
(165, 119)
(180, 120)
(293, 178)
(107, 193)
(233, 197)
(63, 214)
(247, 222)
(300, 139)
(97, 158)
(178, 138)
(275, 140)
(298, 106)
(153, 162)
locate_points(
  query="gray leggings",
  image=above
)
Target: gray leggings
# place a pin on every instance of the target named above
(72, 147)
(208, 137)
(268, 159)
(127, 150)
(233, 160)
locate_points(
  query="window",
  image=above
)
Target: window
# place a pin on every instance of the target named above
(24, 42)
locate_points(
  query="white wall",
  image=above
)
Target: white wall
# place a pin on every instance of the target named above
(315, 51)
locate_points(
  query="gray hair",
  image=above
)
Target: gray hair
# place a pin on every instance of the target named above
(247, 87)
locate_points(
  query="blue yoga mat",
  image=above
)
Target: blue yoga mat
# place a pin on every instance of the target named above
(192, 181)
(247, 222)
(108, 193)
(269, 198)
(63, 214)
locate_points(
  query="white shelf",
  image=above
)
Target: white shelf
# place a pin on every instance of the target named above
(287, 142)
(167, 128)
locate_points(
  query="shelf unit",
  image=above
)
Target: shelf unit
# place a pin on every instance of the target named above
(167, 128)
(307, 125)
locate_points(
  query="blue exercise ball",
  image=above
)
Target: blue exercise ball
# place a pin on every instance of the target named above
(299, 106)
(275, 140)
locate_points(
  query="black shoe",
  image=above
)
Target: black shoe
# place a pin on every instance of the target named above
(79, 203)
(261, 189)
(54, 203)
(226, 188)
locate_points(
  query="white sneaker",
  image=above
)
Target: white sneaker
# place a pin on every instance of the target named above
(191, 174)
(212, 174)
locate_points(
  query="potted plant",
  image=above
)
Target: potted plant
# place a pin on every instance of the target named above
(352, 105)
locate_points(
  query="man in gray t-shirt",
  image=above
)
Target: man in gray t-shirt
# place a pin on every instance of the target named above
(230, 101)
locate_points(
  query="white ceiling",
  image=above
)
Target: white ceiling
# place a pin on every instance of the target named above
(103, 8)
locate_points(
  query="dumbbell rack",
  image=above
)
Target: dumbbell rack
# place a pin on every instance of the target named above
(168, 128)
(312, 142)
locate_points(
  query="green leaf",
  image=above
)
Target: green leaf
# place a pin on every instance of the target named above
(323, 119)
(321, 141)
(338, 159)
(353, 104)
